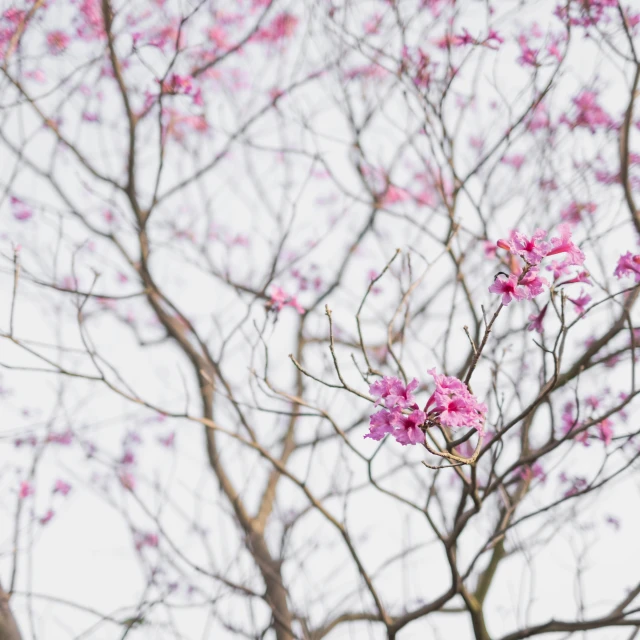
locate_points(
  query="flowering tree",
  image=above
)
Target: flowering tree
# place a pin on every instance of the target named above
(431, 206)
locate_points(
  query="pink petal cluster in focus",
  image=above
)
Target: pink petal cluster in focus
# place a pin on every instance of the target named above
(396, 396)
(450, 405)
(454, 405)
(525, 281)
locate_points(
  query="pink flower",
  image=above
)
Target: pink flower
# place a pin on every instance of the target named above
(528, 56)
(57, 42)
(489, 249)
(454, 405)
(394, 393)
(592, 402)
(127, 480)
(538, 118)
(569, 421)
(372, 25)
(62, 487)
(508, 288)
(573, 212)
(20, 210)
(394, 194)
(92, 27)
(534, 471)
(293, 302)
(381, 423)
(494, 36)
(536, 320)
(532, 283)
(409, 431)
(581, 302)
(63, 437)
(281, 27)
(128, 457)
(605, 431)
(564, 244)
(46, 518)
(589, 113)
(26, 490)
(582, 277)
(559, 269)
(145, 540)
(627, 265)
(532, 250)
(577, 484)
(183, 85)
(516, 161)
(280, 299)
(612, 361)
(167, 441)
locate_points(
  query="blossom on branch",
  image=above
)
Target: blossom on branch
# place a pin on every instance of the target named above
(280, 299)
(564, 244)
(454, 405)
(394, 393)
(406, 428)
(627, 265)
(536, 319)
(508, 288)
(526, 283)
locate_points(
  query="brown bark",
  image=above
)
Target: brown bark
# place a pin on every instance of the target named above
(8, 625)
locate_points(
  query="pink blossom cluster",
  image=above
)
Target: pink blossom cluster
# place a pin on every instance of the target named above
(91, 25)
(10, 20)
(586, 13)
(454, 405)
(450, 405)
(280, 28)
(397, 397)
(279, 299)
(183, 85)
(577, 484)
(177, 124)
(529, 472)
(419, 65)
(26, 489)
(589, 113)
(57, 42)
(571, 423)
(62, 487)
(527, 283)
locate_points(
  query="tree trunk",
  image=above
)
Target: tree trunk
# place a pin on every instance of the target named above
(8, 626)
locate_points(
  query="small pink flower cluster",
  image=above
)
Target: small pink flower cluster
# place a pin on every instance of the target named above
(57, 42)
(450, 405)
(627, 265)
(183, 85)
(20, 210)
(527, 283)
(397, 397)
(454, 405)
(282, 27)
(145, 539)
(279, 299)
(570, 423)
(589, 113)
